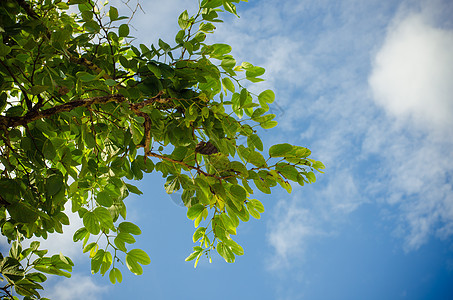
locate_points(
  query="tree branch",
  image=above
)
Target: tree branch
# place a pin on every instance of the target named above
(30, 12)
(198, 169)
(36, 115)
(9, 122)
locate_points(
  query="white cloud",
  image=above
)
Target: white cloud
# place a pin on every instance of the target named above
(63, 243)
(74, 288)
(411, 80)
(413, 71)
(59, 243)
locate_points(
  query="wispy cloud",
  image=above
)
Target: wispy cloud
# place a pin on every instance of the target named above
(76, 287)
(156, 19)
(305, 217)
(318, 71)
(289, 232)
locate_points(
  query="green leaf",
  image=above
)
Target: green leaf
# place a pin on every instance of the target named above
(207, 27)
(133, 189)
(155, 69)
(49, 150)
(4, 49)
(134, 257)
(280, 150)
(38, 89)
(194, 211)
(228, 62)
(192, 256)
(54, 183)
(123, 30)
(113, 13)
(256, 159)
(218, 50)
(106, 262)
(189, 47)
(268, 124)
(255, 140)
(288, 171)
(318, 166)
(125, 237)
(91, 223)
(129, 228)
(115, 276)
(89, 138)
(183, 20)
(235, 247)
(86, 77)
(264, 119)
(253, 71)
(267, 96)
(80, 234)
(120, 244)
(238, 167)
(137, 133)
(166, 47)
(311, 177)
(103, 215)
(11, 269)
(110, 82)
(229, 7)
(104, 199)
(253, 211)
(211, 3)
(262, 186)
(198, 234)
(90, 246)
(238, 192)
(15, 111)
(52, 270)
(225, 252)
(228, 84)
(96, 261)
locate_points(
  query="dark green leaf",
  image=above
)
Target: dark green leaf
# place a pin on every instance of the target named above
(133, 189)
(123, 30)
(113, 13)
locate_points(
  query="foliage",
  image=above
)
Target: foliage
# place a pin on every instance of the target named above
(83, 108)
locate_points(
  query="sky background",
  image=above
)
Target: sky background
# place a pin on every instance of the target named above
(368, 87)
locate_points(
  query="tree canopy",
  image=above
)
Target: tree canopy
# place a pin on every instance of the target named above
(85, 109)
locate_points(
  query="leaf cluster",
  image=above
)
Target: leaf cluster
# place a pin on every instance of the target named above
(84, 111)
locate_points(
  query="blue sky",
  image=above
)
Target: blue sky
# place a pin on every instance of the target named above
(367, 86)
